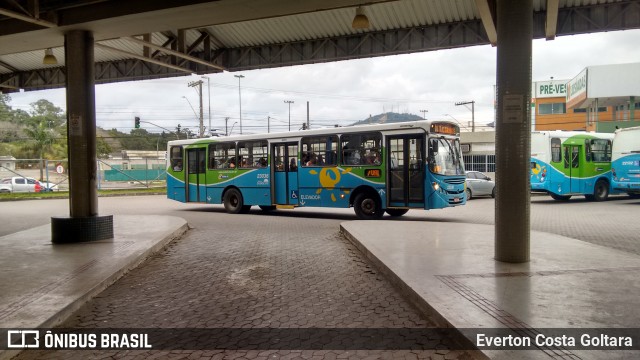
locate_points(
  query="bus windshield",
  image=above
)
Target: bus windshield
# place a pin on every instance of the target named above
(445, 157)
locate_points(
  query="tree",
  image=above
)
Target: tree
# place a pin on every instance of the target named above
(103, 149)
(5, 110)
(44, 110)
(42, 138)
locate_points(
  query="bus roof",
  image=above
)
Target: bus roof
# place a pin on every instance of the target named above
(567, 134)
(422, 124)
(635, 128)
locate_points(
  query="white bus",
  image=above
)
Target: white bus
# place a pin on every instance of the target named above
(625, 162)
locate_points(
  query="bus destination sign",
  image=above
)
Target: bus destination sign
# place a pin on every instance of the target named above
(372, 173)
(445, 128)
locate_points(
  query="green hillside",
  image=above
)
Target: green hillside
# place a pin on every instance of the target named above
(388, 117)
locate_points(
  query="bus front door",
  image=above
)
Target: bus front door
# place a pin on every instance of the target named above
(195, 188)
(284, 162)
(405, 171)
(572, 164)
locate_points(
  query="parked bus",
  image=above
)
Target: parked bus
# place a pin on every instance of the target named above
(568, 163)
(373, 168)
(625, 162)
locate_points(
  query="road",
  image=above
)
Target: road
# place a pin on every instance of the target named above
(287, 269)
(613, 223)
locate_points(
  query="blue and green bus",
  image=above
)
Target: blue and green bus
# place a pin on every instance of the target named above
(625, 162)
(373, 168)
(568, 163)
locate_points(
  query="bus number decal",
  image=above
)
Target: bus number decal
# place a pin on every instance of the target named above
(372, 173)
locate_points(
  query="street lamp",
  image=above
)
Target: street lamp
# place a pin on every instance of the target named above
(240, 99)
(473, 121)
(191, 106)
(209, 95)
(456, 120)
(289, 102)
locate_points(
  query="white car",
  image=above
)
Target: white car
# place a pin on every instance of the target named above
(479, 184)
(18, 184)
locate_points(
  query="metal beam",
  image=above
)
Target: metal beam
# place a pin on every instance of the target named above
(551, 21)
(171, 52)
(29, 19)
(140, 57)
(581, 20)
(487, 15)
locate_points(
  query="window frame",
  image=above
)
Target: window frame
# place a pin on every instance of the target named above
(252, 164)
(591, 153)
(556, 150)
(321, 140)
(364, 152)
(216, 164)
(173, 159)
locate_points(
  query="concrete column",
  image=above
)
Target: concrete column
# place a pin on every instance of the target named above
(513, 130)
(81, 126)
(84, 223)
(632, 108)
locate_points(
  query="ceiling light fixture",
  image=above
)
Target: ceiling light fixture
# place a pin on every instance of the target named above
(360, 21)
(49, 58)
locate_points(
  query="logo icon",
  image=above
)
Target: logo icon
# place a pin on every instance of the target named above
(23, 339)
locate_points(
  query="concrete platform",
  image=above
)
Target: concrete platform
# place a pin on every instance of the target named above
(42, 283)
(448, 269)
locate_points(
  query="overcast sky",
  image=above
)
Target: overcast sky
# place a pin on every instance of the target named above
(347, 91)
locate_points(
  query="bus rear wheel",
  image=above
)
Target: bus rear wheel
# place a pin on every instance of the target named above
(368, 206)
(560, 197)
(396, 212)
(234, 203)
(600, 191)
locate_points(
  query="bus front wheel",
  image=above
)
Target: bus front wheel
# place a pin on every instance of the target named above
(600, 191)
(233, 202)
(368, 206)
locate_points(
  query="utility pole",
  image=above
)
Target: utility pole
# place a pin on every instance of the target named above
(226, 126)
(473, 121)
(209, 95)
(424, 113)
(289, 102)
(240, 100)
(308, 123)
(268, 124)
(199, 91)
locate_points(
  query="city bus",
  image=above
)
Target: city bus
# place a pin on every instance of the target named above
(373, 168)
(625, 162)
(568, 163)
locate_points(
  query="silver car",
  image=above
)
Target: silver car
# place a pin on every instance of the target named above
(479, 184)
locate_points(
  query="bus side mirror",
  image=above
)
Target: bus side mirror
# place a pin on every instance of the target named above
(434, 146)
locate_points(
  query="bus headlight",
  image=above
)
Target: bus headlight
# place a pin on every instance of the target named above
(436, 186)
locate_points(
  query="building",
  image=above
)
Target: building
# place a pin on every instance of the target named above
(7, 163)
(600, 98)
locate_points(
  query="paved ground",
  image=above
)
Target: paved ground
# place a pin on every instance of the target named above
(252, 271)
(289, 269)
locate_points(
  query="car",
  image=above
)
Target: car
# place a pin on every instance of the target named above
(20, 184)
(49, 186)
(479, 184)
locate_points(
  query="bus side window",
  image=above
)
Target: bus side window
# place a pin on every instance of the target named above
(176, 158)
